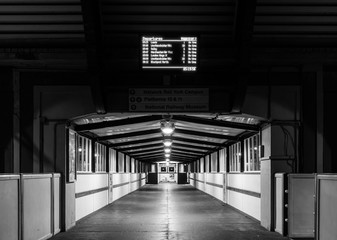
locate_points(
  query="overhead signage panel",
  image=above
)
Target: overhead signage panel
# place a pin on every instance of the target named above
(169, 100)
(159, 53)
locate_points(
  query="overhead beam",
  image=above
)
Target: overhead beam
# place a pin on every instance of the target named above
(186, 153)
(134, 142)
(193, 146)
(181, 139)
(205, 134)
(116, 123)
(149, 157)
(145, 150)
(217, 123)
(128, 135)
(147, 153)
(141, 147)
(195, 141)
(188, 150)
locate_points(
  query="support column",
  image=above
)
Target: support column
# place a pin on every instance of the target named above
(271, 164)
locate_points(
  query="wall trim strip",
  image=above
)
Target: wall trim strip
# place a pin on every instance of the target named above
(120, 184)
(215, 185)
(247, 192)
(197, 180)
(86, 193)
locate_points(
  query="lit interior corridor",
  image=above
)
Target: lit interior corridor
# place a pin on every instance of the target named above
(167, 211)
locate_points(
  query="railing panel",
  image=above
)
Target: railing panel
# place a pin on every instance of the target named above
(36, 206)
(301, 205)
(10, 207)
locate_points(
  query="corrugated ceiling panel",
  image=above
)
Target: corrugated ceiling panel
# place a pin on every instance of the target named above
(34, 19)
(296, 19)
(127, 128)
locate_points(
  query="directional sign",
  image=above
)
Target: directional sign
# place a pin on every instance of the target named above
(168, 100)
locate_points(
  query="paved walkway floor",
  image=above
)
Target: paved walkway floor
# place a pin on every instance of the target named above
(167, 212)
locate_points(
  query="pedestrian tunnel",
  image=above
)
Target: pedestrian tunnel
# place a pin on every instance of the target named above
(114, 155)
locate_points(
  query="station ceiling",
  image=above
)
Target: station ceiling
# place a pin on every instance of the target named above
(274, 22)
(140, 136)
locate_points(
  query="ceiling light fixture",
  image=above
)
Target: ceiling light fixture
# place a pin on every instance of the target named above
(167, 127)
(167, 155)
(167, 150)
(167, 143)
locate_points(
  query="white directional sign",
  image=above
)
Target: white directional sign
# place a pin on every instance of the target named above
(168, 99)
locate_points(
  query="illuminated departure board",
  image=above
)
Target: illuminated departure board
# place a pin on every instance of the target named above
(160, 53)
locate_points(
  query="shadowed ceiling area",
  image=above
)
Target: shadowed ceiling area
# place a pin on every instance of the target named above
(141, 137)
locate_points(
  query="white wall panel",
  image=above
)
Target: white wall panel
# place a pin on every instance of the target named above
(90, 182)
(37, 206)
(100, 200)
(251, 206)
(242, 185)
(84, 206)
(239, 197)
(87, 182)
(9, 205)
(249, 182)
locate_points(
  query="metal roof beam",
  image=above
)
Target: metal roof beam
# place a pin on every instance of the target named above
(193, 146)
(127, 135)
(116, 123)
(145, 150)
(205, 134)
(140, 147)
(218, 123)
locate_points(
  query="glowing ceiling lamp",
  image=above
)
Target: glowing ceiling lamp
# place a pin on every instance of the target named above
(167, 155)
(167, 143)
(167, 159)
(167, 150)
(167, 127)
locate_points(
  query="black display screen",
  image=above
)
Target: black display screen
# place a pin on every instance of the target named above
(173, 54)
(163, 169)
(171, 169)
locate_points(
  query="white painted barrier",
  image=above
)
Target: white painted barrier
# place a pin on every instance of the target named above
(10, 207)
(40, 205)
(214, 185)
(243, 192)
(96, 190)
(91, 191)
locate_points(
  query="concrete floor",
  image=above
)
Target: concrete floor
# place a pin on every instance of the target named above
(167, 211)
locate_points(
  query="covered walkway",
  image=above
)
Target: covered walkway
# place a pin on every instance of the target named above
(167, 211)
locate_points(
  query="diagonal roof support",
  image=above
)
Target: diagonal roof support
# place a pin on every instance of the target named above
(205, 134)
(116, 123)
(180, 145)
(217, 123)
(130, 134)
(155, 145)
